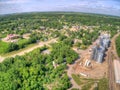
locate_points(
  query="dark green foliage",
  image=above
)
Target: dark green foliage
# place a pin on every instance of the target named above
(63, 53)
(12, 47)
(33, 40)
(118, 45)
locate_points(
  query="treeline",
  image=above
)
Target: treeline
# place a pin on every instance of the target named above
(118, 45)
(85, 36)
(24, 23)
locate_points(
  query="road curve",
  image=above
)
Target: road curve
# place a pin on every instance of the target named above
(112, 52)
(40, 44)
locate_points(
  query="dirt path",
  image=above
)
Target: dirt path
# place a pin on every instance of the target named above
(114, 46)
(40, 44)
(1, 59)
(112, 52)
(70, 71)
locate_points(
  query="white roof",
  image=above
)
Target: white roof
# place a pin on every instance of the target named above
(117, 70)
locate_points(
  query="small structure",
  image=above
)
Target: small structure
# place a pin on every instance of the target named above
(12, 36)
(87, 63)
(26, 36)
(54, 64)
(75, 28)
(46, 51)
(117, 71)
(82, 74)
(42, 28)
(78, 41)
(65, 27)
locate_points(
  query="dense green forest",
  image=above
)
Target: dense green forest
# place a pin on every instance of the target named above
(118, 45)
(35, 70)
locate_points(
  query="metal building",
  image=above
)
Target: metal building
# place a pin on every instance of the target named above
(98, 51)
(94, 53)
(100, 57)
(104, 40)
(117, 71)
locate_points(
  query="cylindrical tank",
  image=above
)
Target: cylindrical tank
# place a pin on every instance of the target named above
(94, 53)
(100, 57)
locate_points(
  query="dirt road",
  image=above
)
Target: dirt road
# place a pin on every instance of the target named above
(112, 52)
(110, 70)
(40, 44)
(113, 46)
(70, 71)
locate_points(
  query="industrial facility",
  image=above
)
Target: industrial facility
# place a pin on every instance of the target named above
(98, 51)
(87, 66)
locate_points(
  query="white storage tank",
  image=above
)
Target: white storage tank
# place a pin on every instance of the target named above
(100, 57)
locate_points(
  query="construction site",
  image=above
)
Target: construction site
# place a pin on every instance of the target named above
(99, 60)
(93, 62)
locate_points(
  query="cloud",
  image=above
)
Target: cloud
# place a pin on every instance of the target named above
(92, 6)
(95, 6)
(13, 1)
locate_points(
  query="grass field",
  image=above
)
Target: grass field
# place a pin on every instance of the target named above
(18, 51)
(3, 46)
(87, 83)
(118, 45)
(77, 79)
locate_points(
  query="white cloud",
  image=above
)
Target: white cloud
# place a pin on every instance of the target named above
(13, 1)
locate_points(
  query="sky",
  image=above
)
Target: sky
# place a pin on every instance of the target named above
(110, 7)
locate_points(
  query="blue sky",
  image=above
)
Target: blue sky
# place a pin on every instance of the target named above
(111, 7)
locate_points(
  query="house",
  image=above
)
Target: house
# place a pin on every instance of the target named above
(12, 36)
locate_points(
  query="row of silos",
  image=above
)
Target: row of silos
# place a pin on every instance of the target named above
(98, 51)
(104, 40)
